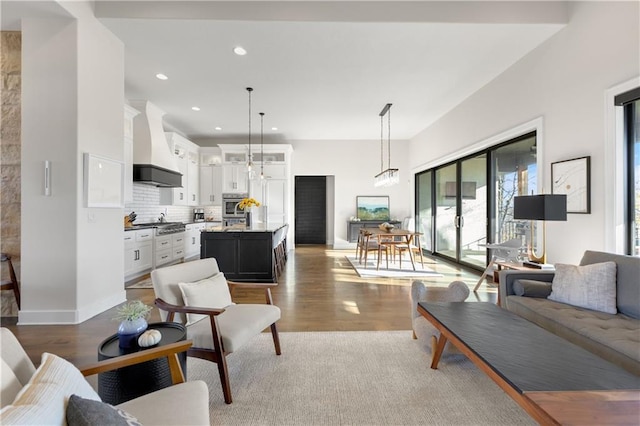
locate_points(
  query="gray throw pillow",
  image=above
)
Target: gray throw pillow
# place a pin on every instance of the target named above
(88, 412)
(589, 286)
(532, 288)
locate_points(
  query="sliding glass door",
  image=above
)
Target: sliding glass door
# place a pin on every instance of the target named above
(473, 210)
(461, 210)
(466, 204)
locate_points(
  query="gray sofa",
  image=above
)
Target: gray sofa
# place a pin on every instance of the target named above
(614, 337)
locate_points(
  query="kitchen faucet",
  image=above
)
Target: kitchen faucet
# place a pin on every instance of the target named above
(162, 218)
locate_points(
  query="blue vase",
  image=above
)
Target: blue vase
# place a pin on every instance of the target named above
(129, 331)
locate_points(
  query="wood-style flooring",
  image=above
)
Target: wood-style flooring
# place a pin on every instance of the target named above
(318, 291)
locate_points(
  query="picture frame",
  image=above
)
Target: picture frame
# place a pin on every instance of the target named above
(573, 178)
(373, 207)
(103, 182)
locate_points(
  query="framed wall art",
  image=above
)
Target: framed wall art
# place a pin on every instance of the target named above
(573, 178)
(103, 182)
(372, 207)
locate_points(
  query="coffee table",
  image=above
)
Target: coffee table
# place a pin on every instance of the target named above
(533, 366)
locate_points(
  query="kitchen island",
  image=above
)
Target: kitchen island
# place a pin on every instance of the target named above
(244, 253)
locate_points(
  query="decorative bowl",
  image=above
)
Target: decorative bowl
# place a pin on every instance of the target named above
(386, 227)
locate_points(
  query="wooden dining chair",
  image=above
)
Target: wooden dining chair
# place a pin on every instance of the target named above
(370, 244)
(12, 282)
(414, 246)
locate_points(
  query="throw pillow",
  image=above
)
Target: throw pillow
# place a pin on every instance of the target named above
(532, 288)
(87, 412)
(212, 292)
(589, 286)
(43, 400)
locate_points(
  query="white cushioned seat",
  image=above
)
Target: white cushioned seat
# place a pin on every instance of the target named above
(179, 404)
(238, 324)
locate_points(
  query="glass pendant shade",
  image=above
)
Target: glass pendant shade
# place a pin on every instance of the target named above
(388, 177)
(250, 172)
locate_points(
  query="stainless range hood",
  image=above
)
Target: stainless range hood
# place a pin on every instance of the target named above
(153, 162)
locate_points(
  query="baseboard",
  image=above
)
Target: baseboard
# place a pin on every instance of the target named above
(61, 317)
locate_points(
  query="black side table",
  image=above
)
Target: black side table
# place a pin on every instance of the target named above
(123, 384)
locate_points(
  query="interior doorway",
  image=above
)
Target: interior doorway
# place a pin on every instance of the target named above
(310, 218)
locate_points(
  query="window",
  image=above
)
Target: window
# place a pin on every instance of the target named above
(631, 103)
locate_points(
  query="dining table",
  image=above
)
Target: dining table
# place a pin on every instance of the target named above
(394, 237)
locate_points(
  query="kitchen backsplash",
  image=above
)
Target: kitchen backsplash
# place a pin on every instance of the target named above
(146, 204)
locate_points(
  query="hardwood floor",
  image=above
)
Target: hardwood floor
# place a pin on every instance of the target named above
(318, 291)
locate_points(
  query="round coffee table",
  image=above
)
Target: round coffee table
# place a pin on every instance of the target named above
(123, 384)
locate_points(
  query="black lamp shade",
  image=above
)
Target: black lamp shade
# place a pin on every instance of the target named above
(540, 207)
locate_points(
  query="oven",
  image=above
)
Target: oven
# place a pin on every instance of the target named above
(229, 203)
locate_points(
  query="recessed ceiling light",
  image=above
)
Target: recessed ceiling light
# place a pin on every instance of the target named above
(195, 108)
(161, 76)
(239, 50)
(218, 128)
(274, 128)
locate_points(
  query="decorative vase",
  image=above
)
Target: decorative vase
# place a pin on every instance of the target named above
(129, 331)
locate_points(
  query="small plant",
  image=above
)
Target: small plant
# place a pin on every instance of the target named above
(132, 311)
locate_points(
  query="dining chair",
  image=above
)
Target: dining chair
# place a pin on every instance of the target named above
(12, 282)
(216, 325)
(413, 246)
(370, 244)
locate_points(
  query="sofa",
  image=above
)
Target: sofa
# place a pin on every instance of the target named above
(56, 392)
(613, 334)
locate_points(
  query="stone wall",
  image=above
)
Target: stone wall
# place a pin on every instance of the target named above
(10, 73)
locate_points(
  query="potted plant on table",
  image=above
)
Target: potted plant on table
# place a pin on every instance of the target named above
(133, 322)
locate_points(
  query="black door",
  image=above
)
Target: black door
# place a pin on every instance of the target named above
(311, 209)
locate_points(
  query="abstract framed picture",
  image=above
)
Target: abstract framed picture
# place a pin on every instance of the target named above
(372, 207)
(573, 178)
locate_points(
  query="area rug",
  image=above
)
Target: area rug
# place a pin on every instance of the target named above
(394, 270)
(352, 378)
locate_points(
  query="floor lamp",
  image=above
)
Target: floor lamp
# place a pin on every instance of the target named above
(542, 207)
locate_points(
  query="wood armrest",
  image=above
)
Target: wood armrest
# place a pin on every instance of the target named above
(169, 351)
(161, 304)
(251, 285)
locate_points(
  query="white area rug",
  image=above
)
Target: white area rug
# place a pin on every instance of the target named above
(394, 270)
(352, 378)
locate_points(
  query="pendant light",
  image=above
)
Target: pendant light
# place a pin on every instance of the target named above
(262, 147)
(251, 173)
(389, 176)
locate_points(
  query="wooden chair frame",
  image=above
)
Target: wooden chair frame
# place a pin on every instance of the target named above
(169, 351)
(12, 283)
(218, 354)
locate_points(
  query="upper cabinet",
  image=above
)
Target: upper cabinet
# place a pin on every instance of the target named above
(129, 114)
(210, 176)
(187, 157)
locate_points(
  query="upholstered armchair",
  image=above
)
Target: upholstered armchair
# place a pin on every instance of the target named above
(427, 334)
(216, 325)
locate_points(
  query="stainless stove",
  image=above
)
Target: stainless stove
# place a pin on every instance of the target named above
(170, 228)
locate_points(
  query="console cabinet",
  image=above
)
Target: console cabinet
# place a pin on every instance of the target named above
(353, 227)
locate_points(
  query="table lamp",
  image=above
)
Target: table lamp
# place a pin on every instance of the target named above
(542, 207)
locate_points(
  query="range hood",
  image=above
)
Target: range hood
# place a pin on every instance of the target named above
(153, 162)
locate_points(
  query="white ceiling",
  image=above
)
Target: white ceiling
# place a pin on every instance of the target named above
(320, 70)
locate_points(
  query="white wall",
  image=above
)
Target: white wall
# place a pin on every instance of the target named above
(73, 97)
(563, 82)
(353, 164)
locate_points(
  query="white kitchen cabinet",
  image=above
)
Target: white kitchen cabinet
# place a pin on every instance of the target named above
(273, 171)
(193, 178)
(129, 114)
(211, 185)
(138, 251)
(235, 178)
(187, 158)
(192, 240)
(273, 197)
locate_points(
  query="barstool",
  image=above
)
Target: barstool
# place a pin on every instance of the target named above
(11, 284)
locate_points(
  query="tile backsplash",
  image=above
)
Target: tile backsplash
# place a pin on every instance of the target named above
(146, 204)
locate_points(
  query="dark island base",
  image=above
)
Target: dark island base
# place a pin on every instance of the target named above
(243, 255)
